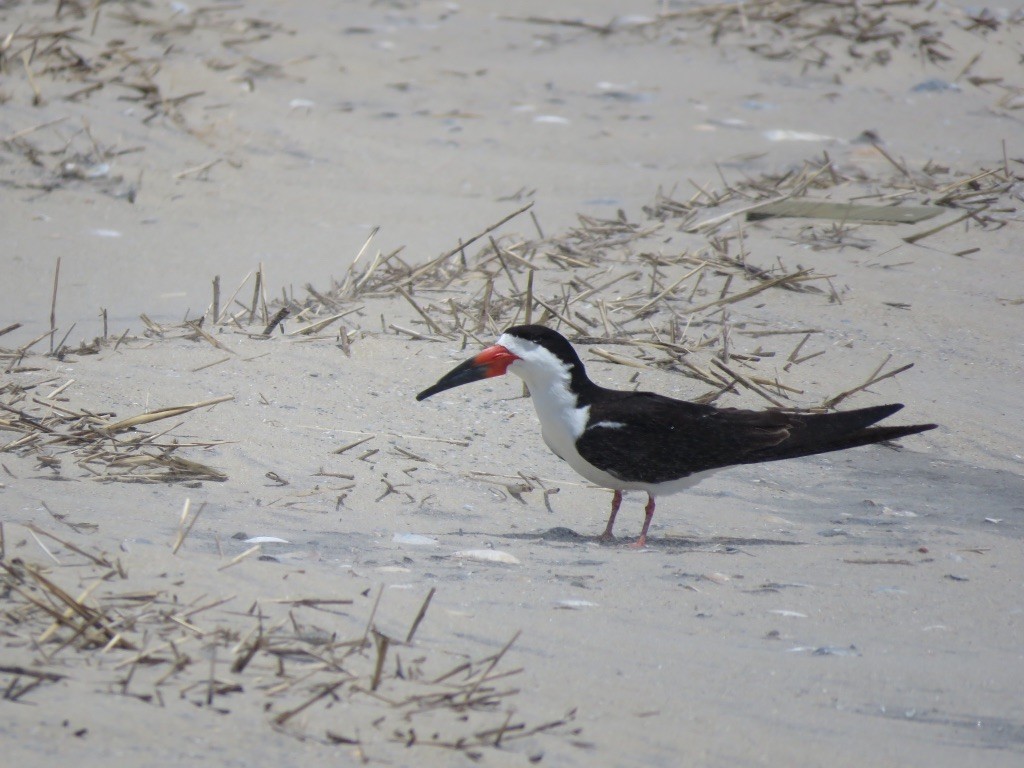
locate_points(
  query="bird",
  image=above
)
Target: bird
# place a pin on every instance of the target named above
(628, 440)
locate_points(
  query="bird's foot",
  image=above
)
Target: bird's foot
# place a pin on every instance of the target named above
(606, 537)
(640, 543)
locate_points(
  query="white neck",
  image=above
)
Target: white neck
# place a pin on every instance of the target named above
(547, 377)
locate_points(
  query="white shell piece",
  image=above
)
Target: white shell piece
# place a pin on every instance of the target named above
(575, 604)
(413, 539)
(486, 556)
(784, 135)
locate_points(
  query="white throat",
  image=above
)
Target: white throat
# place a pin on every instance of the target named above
(548, 377)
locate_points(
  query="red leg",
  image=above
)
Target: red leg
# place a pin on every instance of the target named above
(648, 515)
(616, 502)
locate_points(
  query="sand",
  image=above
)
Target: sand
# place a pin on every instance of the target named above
(310, 566)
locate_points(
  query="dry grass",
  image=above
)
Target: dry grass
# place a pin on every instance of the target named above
(64, 53)
(82, 609)
(613, 282)
(835, 35)
(108, 450)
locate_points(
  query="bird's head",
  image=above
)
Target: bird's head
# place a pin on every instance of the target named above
(533, 352)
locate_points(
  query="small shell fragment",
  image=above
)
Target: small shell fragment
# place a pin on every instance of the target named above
(780, 134)
(486, 556)
(890, 512)
(266, 540)
(413, 539)
(571, 605)
(789, 614)
(551, 119)
(73, 170)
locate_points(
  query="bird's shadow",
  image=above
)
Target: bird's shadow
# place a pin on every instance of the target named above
(726, 544)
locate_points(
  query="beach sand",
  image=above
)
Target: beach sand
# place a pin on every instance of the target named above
(254, 548)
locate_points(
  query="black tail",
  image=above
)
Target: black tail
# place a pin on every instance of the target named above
(826, 432)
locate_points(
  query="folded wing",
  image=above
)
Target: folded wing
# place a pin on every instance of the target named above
(645, 437)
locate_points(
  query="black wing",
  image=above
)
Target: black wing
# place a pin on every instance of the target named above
(645, 437)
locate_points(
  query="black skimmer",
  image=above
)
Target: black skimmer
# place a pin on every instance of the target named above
(643, 441)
